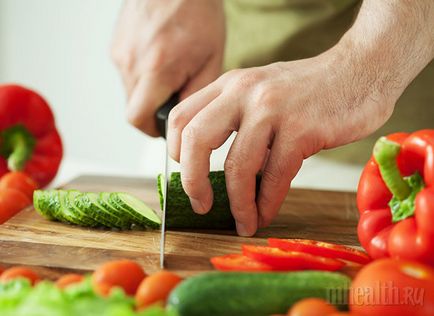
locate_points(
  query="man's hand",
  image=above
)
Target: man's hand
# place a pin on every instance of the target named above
(162, 47)
(286, 112)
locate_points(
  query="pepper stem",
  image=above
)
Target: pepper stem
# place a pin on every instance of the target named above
(16, 146)
(385, 154)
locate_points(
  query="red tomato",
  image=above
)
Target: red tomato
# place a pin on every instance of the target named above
(68, 279)
(393, 287)
(312, 307)
(156, 288)
(321, 248)
(19, 181)
(238, 262)
(11, 202)
(19, 272)
(290, 260)
(125, 274)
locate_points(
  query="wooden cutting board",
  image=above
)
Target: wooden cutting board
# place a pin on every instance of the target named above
(53, 248)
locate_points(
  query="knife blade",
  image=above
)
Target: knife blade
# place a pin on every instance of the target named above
(162, 116)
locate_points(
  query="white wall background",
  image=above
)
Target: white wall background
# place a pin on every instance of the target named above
(61, 49)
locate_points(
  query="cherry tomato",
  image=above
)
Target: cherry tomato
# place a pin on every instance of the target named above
(321, 248)
(11, 202)
(238, 262)
(312, 307)
(290, 260)
(125, 274)
(393, 287)
(19, 272)
(156, 288)
(19, 181)
(68, 279)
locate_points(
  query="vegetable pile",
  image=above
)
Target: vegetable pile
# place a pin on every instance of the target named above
(112, 210)
(118, 288)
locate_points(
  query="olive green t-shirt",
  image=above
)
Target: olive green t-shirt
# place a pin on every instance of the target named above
(260, 32)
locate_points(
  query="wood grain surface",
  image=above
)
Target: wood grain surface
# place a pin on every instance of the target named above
(53, 248)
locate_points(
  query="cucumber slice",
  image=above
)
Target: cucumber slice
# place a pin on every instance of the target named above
(88, 202)
(79, 214)
(67, 211)
(104, 201)
(143, 215)
(44, 202)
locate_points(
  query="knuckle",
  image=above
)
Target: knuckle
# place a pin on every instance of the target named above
(123, 58)
(265, 96)
(247, 79)
(191, 134)
(233, 167)
(176, 118)
(273, 177)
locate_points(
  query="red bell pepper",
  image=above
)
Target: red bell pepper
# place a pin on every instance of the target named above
(238, 262)
(29, 140)
(281, 260)
(395, 198)
(320, 248)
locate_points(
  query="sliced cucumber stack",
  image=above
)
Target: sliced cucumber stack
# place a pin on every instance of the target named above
(139, 211)
(111, 210)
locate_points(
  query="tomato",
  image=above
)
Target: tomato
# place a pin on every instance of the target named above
(156, 288)
(125, 274)
(19, 272)
(393, 287)
(321, 248)
(11, 202)
(19, 181)
(311, 307)
(238, 262)
(290, 260)
(68, 279)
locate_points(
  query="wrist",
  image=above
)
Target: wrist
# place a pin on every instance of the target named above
(392, 41)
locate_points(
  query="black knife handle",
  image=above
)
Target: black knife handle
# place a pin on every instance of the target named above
(163, 113)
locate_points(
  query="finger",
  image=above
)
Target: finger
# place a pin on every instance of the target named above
(282, 165)
(203, 134)
(244, 160)
(129, 83)
(150, 92)
(184, 112)
(207, 74)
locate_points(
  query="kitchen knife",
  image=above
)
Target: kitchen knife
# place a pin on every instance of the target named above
(162, 116)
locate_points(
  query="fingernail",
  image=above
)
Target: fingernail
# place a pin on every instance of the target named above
(242, 230)
(197, 206)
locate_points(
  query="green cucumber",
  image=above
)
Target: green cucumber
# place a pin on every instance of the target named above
(142, 214)
(113, 210)
(68, 211)
(232, 293)
(104, 201)
(44, 202)
(179, 211)
(88, 202)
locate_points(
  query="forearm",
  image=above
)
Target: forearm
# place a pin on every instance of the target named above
(391, 41)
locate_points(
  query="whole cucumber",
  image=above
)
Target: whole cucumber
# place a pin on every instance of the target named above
(180, 213)
(232, 293)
